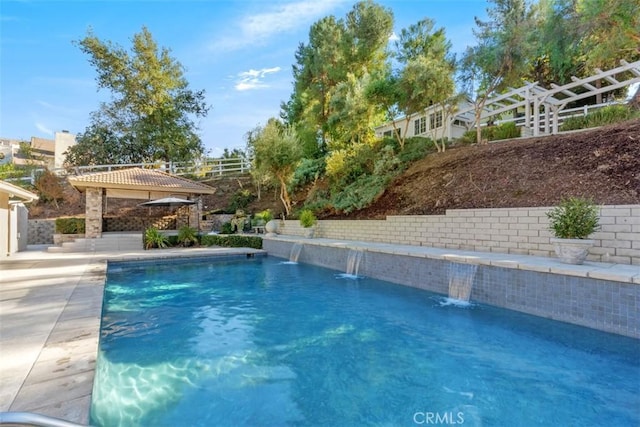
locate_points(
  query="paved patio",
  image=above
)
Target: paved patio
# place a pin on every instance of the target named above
(50, 308)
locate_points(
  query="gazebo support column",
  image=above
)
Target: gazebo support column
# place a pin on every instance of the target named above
(93, 213)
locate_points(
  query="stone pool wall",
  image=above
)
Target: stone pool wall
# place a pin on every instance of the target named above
(606, 305)
(522, 231)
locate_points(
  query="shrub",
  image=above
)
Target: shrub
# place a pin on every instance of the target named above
(227, 228)
(604, 116)
(154, 239)
(70, 225)
(492, 133)
(187, 236)
(307, 218)
(573, 218)
(360, 194)
(264, 216)
(307, 171)
(232, 241)
(240, 200)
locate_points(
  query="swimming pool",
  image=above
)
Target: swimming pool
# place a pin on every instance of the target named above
(262, 342)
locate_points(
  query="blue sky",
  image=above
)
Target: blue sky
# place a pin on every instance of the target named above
(240, 52)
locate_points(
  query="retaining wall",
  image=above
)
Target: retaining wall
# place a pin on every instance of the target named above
(522, 231)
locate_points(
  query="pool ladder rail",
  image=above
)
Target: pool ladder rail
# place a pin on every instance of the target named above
(34, 420)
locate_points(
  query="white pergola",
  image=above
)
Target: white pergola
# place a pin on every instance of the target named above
(542, 107)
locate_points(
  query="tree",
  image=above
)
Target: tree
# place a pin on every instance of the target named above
(611, 32)
(152, 110)
(555, 36)
(333, 69)
(276, 153)
(499, 59)
(427, 75)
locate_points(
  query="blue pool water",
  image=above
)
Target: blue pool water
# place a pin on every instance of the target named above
(259, 342)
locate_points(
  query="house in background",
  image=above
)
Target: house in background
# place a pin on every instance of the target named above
(45, 152)
(13, 218)
(436, 122)
(534, 109)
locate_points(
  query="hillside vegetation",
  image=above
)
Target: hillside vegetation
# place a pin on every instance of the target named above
(601, 164)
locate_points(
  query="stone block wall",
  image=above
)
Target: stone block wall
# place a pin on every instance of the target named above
(41, 231)
(139, 223)
(509, 230)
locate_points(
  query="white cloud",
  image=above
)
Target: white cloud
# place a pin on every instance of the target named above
(393, 37)
(42, 128)
(253, 79)
(258, 28)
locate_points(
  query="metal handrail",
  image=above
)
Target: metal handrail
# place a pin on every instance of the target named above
(35, 420)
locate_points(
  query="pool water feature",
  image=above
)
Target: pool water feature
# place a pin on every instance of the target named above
(259, 342)
(461, 281)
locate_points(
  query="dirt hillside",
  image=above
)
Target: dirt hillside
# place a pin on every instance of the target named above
(602, 164)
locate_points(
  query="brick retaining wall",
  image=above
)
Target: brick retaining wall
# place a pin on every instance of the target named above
(510, 230)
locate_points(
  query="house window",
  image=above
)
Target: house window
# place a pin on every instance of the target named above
(393, 133)
(435, 120)
(420, 126)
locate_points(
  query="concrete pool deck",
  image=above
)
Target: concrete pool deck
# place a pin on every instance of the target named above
(50, 308)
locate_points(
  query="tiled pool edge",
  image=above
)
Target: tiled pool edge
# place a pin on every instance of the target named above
(596, 295)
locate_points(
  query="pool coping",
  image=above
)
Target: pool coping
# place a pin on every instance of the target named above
(49, 369)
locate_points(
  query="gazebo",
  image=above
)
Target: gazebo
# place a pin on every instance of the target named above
(132, 183)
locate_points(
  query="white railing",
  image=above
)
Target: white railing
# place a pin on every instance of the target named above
(207, 168)
(562, 115)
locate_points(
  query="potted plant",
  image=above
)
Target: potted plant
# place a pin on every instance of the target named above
(572, 222)
(308, 221)
(261, 219)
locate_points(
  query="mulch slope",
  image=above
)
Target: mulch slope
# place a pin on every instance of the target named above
(601, 164)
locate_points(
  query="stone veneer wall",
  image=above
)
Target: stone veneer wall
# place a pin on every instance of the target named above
(93, 213)
(605, 305)
(41, 231)
(135, 223)
(510, 230)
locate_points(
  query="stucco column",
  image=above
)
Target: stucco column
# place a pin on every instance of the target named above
(93, 213)
(4, 224)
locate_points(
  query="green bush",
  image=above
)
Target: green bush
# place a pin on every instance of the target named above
(264, 217)
(153, 238)
(492, 133)
(360, 194)
(240, 200)
(573, 218)
(307, 171)
(227, 228)
(307, 218)
(232, 241)
(187, 236)
(604, 116)
(415, 148)
(70, 225)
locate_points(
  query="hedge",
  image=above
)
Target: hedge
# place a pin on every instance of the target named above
(70, 225)
(231, 241)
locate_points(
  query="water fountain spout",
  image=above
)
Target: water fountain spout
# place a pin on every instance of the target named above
(461, 281)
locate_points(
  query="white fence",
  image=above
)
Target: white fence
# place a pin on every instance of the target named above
(208, 168)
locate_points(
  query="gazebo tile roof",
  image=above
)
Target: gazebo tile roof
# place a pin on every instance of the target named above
(140, 178)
